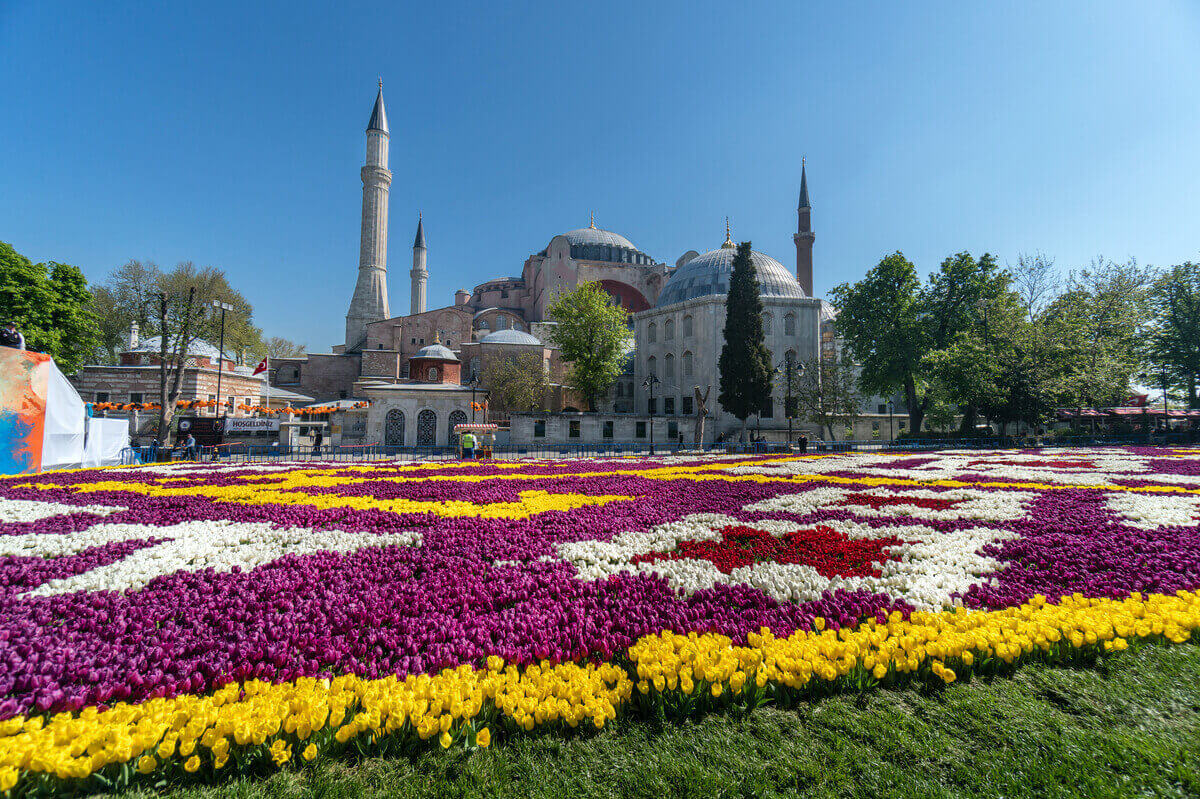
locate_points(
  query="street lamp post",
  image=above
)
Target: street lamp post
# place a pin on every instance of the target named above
(891, 425)
(649, 383)
(223, 307)
(474, 386)
(791, 372)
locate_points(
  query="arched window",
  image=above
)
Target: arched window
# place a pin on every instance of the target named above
(789, 325)
(426, 428)
(393, 428)
(456, 418)
(652, 366)
(687, 364)
(668, 330)
(432, 374)
(669, 368)
(766, 317)
(652, 333)
(687, 327)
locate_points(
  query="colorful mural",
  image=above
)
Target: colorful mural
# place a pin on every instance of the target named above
(23, 390)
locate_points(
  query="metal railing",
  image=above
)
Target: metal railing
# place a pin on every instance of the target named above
(254, 453)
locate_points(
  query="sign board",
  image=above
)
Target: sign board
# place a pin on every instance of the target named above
(234, 426)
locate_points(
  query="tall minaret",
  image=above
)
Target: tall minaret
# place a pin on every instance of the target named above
(419, 274)
(370, 301)
(804, 236)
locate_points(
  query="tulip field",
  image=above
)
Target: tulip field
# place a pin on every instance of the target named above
(181, 622)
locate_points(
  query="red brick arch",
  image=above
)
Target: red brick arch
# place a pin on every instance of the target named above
(632, 300)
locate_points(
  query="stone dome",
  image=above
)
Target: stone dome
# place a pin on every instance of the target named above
(153, 345)
(709, 274)
(594, 244)
(439, 351)
(594, 235)
(510, 336)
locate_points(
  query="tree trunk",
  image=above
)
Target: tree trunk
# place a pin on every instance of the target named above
(970, 414)
(916, 410)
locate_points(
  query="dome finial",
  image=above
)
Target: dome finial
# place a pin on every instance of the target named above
(592, 221)
(728, 243)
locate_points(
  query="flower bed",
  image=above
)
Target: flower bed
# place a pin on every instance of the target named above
(192, 620)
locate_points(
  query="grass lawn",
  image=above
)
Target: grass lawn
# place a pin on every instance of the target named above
(1129, 726)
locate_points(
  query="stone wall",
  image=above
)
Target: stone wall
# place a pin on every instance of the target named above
(321, 376)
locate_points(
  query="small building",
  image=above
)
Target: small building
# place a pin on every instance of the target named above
(135, 381)
(420, 411)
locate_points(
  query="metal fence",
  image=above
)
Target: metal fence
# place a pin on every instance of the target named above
(254, 453)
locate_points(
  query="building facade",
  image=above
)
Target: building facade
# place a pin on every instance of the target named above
(677, 314)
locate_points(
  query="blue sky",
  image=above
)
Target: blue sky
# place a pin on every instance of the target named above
(231, 134)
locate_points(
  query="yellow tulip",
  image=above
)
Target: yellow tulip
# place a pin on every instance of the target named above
(483, 738)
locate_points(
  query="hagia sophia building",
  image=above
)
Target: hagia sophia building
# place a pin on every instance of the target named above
(416, 368)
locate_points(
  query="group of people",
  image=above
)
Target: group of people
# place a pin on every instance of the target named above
(185, 448)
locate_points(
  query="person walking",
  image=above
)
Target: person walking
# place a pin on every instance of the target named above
(467, 442)
(154, 450)
(317, 439)
(190, 448)
(803, 444)
(11, 337)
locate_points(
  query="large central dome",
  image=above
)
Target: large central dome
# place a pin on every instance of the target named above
(709, 274)
(593, 244)
(594, 235)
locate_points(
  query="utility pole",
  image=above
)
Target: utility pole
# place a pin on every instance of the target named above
(891, 421)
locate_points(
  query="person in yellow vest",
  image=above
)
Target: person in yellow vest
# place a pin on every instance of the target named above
(468, 445)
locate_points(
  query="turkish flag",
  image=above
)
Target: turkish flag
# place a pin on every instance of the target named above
(262, 366)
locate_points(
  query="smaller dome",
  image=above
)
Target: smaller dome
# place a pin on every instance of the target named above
(439, 351)
(510, 337)
(153, 346)
(709, 274)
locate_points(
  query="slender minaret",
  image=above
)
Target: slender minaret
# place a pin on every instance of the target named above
(419, 274)
(804, 236)
(370, 301)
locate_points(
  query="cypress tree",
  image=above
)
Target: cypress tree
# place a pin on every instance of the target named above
(745, 360)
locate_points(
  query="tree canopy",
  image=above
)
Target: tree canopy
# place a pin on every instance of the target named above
(51, 306)
(128, 295)
(516, 383)
(1174, 343)
(594, 337)
(745, 363)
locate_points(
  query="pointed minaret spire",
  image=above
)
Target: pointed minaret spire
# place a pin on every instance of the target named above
(370, 300)
(419, 273)
(804, 184)
(419, 241)
(804, 235)
(728, 243)
(378, 115)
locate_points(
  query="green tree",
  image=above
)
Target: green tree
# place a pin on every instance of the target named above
(72, 317)
(278, 347)
(880, 318)
(826, 393)
(1174, 350)
(1102, 317)
(516, 383)
(593, 335)
(128, 295)
(51, 306)
(745, 361)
